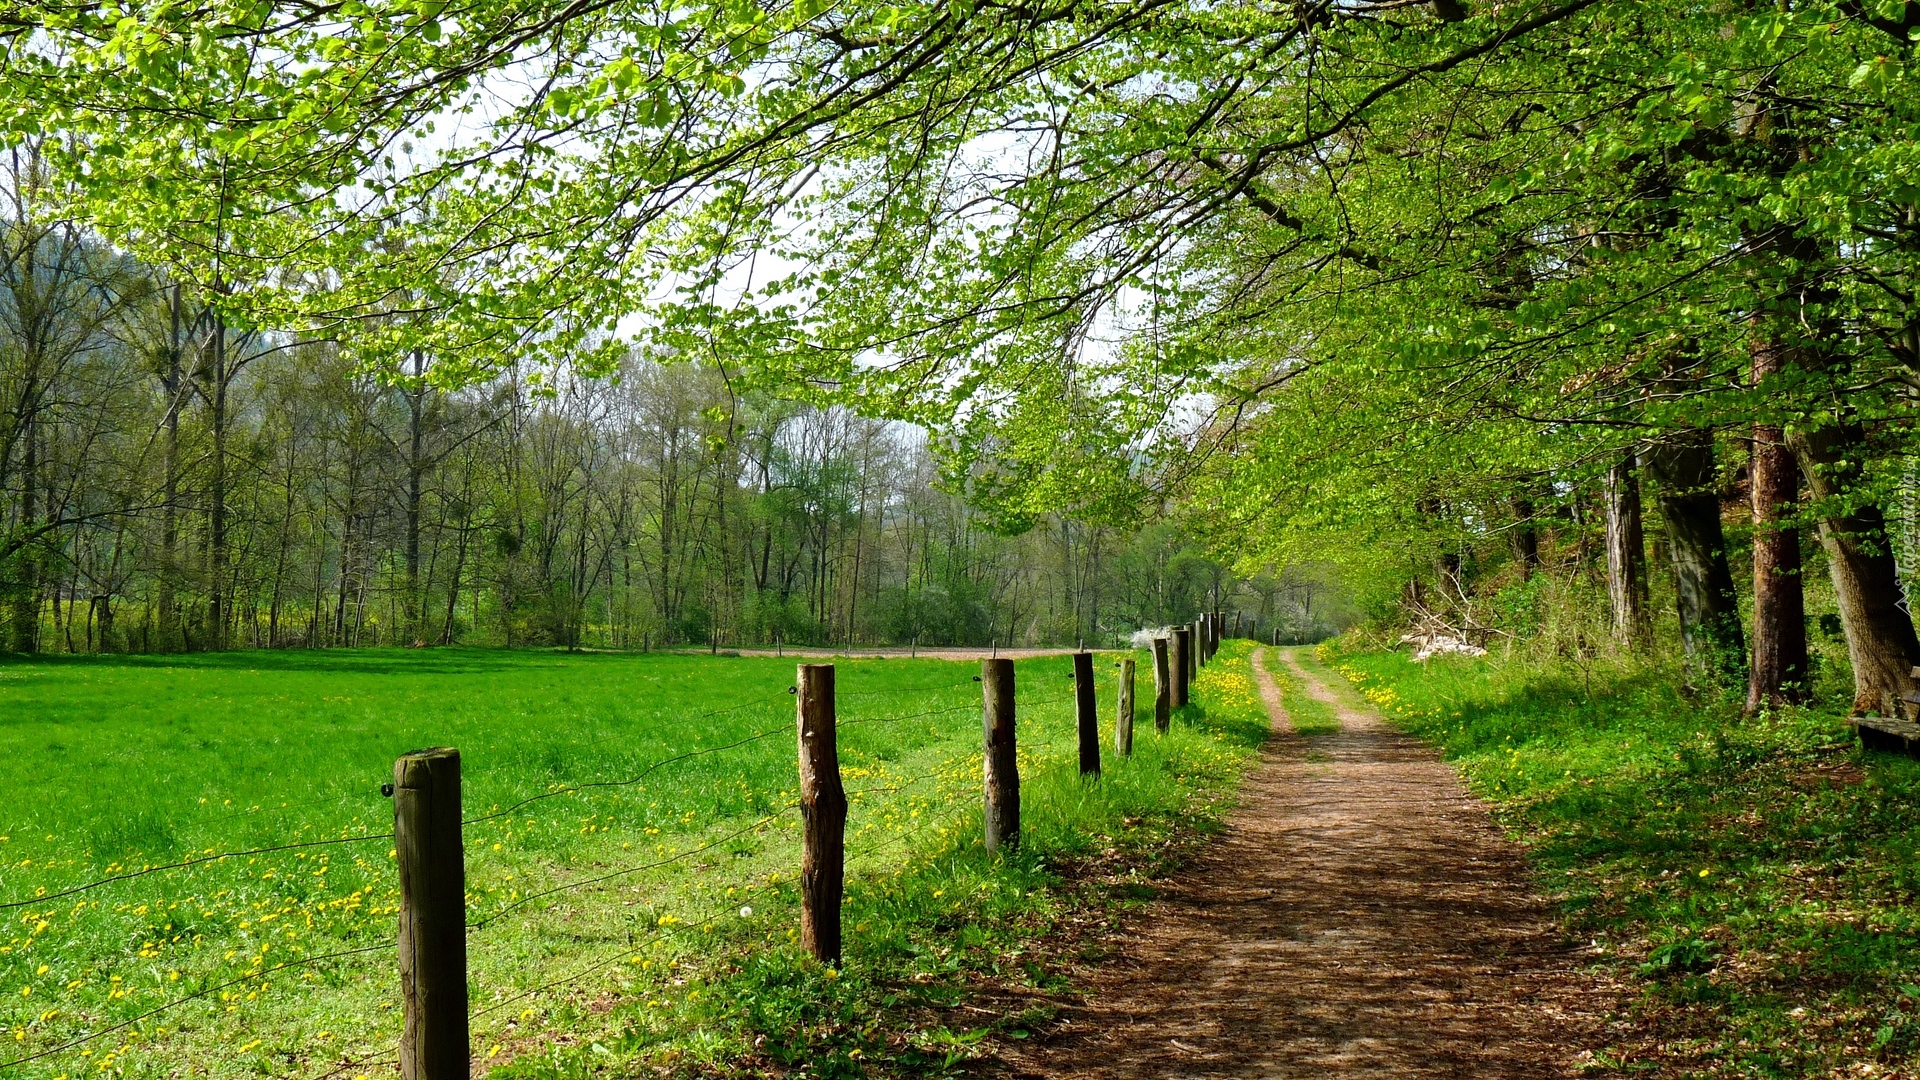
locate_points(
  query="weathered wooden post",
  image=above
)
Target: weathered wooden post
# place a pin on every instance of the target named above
(1276, 637)
(433, 915)
(1002, 769)
(1182, 660)
(1123, 718)
(823, 815)
(1236, 623)
(1198, 654)
(1089, 714)
(1162, 687)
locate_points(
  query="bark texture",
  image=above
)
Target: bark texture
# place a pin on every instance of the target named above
(1866, 584)
(1681, 465)
(1778, 675)
(1627, 556)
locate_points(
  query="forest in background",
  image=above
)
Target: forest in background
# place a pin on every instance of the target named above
(172, 483)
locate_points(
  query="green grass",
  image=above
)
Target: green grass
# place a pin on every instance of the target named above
(1756, 880)
(113, 765)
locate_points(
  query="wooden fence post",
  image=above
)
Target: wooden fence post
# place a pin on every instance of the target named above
(1123, 720)
(433, 915)
(1182, 659)
(1089, 714)
(823, 815)
(1002, 767)
(1198, 653)
(1162, 687)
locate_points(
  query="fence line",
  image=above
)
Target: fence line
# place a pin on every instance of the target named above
(530, 897)
(195, 861)
(938, 818)
(898, 719)
(629, 952)
(195, 996)
(575, 789)
(335, 1070)
(910, 689)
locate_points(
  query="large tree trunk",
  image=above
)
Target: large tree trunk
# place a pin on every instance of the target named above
(1779, 672)
(1681, 464)
(1866, 583)
(1627, 556)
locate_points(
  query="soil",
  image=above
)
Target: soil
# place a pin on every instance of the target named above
(1361, 915)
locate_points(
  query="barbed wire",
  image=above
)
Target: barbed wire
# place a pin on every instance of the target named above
(195, 861)
(897, 719)
(336, 1069)
(631, 950)
(907, 689)
(285, 808)
(195, 996)
(575, 789)
(709, 846)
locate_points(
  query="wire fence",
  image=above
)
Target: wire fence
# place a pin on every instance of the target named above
(91, 1027)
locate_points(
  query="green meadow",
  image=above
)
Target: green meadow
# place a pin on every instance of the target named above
(631, 852)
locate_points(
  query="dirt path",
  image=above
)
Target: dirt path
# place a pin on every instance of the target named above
(1361, 916)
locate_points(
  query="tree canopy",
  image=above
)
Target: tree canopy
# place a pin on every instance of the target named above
(1403, 278)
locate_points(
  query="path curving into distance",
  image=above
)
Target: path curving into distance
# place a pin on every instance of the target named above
(1361, 916)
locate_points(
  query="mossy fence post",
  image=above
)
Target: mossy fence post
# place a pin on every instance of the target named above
(823, 815)
(1162, 687)
(1182, 662)
(1089, 714)
(434, 1041)
(1002, 769)
(1123, 711)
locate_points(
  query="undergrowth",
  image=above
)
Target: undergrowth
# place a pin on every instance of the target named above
(1755, 879)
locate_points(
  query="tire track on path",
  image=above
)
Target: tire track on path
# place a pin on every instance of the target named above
(1361, 915)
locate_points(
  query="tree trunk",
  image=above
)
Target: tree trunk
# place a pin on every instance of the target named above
(1526, 537)
(1626, 556)
(217, 615)
(174, 384)
(1682, 465)
(416, 472)
(1866, 583)
(1779, 672)
(24, 633)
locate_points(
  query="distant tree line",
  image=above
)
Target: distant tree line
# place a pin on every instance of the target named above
(174, 482)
